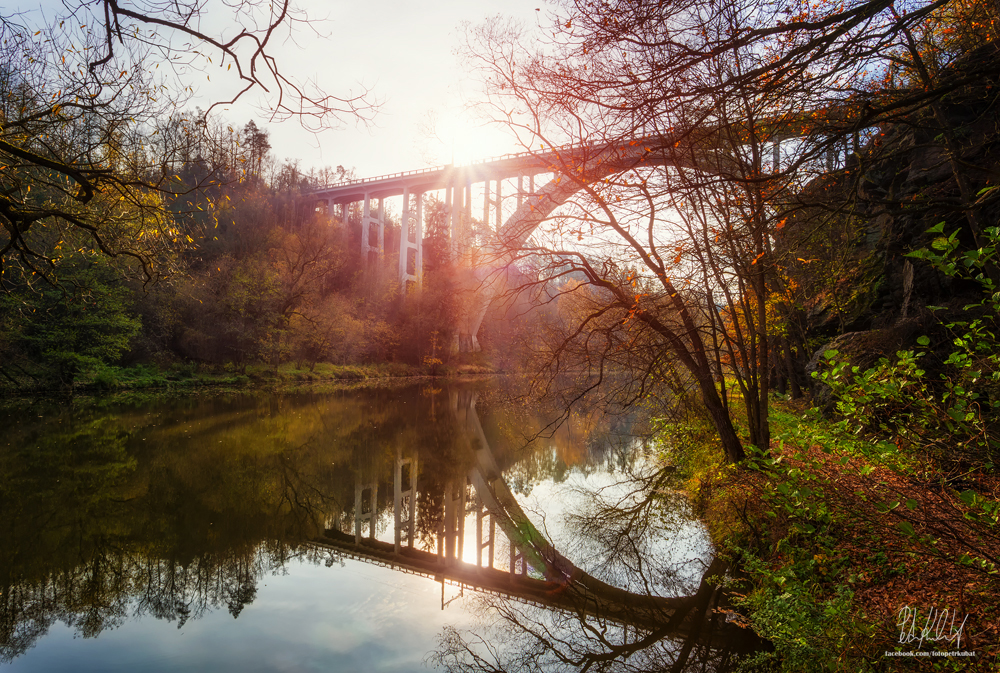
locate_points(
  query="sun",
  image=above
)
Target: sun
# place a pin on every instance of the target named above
(464, 140)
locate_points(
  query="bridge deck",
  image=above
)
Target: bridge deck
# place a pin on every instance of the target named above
(643, 611)
(563, 158)
(442, 177)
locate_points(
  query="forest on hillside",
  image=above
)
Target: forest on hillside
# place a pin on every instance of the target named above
(246, 270)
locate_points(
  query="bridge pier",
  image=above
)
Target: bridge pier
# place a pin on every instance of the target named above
(365, 216)
(404, 498)
(453, 524)
(365, 509)
(481, 513)
(411, 252)
(373, 251)
(452, 199)
(460, 213)
(465, 232)
(516, 559)
(487, 200)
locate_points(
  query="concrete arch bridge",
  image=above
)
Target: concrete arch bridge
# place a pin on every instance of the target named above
(514, 194)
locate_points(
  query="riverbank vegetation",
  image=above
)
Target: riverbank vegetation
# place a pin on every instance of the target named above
(110, 379)
(834, 535)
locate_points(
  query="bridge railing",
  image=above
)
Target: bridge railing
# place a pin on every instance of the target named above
(478, 162)
(378, 178)
(556, 150)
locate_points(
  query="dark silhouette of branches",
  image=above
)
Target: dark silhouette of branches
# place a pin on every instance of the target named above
(178, 34)
(88, 157)
(682, 137)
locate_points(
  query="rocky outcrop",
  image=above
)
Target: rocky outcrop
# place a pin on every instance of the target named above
(848, 240)
(862, 349)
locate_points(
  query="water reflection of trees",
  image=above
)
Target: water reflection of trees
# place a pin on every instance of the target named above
(115, 585)
(619, 535)
(638, 532)
(584, 439)
(179, 509)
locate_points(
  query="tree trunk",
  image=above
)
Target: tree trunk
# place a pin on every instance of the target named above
(790, 368)
(723, 424)
(696, 362)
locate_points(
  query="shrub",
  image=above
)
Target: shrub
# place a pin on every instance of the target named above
(953, 415)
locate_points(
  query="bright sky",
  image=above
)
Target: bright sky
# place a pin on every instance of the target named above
(403, 51)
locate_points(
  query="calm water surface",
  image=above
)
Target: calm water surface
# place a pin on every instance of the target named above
(332, 531)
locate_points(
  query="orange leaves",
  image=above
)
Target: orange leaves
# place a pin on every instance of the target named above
(679, 249)
(780, 225)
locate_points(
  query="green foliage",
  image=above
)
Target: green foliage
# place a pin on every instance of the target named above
(800, 595)
(799, 603)
(808, 629)
(809, 428)
(692, 446)
(57, 332)
(982, 513)
(952, 414)
(792, 493)
(248, 310)
(105, 378)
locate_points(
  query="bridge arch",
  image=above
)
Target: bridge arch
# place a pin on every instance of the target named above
(695, 149)
(608, 161)
(592, 163)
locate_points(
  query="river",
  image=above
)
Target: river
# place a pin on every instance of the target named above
(338, 530)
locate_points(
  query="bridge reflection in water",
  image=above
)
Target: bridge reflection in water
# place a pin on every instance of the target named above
(533, 572)
(175, 511)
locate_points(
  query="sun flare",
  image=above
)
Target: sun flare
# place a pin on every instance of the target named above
(463, 140)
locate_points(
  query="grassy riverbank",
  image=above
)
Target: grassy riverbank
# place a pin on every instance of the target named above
(180, 377)
(840, 540)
